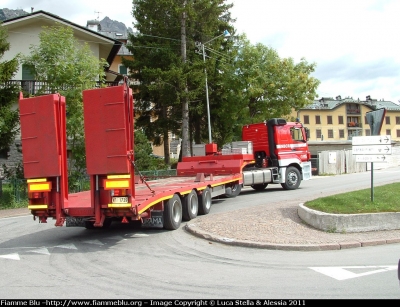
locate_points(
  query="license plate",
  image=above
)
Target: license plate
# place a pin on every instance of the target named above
(120, 200)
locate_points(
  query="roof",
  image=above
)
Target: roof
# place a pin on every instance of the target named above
(88, 34)
(329, 103)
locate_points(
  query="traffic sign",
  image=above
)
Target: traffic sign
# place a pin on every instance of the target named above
(371, 158)
(372, 149)
(373, 139)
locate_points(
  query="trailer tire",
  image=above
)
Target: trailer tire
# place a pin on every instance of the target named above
(205, 201)
(190, 206)
(173, 213)
(233, 190)
(259, 187)
(292, 178)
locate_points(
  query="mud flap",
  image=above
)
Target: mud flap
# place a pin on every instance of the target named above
(75, 221)
(156, 220)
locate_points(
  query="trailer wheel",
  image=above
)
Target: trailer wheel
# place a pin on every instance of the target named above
(173, 213)
(233, 190)
(190, 206)
(259, 187)
(293, 179)
(205, 201)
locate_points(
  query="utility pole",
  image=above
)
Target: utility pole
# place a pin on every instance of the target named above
(185, 104)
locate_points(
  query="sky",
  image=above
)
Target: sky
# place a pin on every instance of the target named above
(355, 44)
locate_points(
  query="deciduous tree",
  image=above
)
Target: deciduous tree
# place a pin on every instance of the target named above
(9, 117)
(67, 67)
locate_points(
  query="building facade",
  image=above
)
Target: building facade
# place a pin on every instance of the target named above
(337, 119)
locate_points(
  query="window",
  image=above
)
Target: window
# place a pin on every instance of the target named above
(317, 119)
(122, 70)
(28, 72)
(366, 120)
(398, 133)
(28, 77)
(388, 131)
(296, 134)
(329, 118)
(397, 120)
(306, 120)
(330, 134)
(367, 132)
(387, 120)
(340, 119)
(319, 133)
(341, 133)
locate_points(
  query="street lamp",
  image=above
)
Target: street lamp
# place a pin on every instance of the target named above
(198, 45)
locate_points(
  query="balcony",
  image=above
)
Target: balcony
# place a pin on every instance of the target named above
(353, 111)
(354, 125)
(33, 87)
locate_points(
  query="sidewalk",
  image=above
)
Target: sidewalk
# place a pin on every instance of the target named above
(280, 229)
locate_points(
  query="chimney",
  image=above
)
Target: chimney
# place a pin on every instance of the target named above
(32, 9)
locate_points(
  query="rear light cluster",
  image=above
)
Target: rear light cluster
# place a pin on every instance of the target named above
(38, 193)
(119, 192)
(119, 187)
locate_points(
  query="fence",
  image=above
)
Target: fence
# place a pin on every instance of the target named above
(33, 87)
(339, 162)
(18, 188)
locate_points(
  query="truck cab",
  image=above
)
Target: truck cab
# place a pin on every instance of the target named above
(280, 149)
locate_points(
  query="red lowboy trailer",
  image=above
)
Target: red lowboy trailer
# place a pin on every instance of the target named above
(116, 192)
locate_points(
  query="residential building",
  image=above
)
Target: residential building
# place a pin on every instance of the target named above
(23, 31)
(339, 119)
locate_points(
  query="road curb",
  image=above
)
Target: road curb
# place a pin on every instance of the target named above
(198, 232)
(348, 223)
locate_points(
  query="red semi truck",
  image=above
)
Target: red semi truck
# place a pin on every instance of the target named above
(274, 152)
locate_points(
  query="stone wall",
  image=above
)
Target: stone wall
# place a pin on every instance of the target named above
(14, 157)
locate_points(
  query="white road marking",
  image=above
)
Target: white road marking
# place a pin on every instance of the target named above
(138, 235)
(67, 246)
(43, 251)
(10, 256)
(97, 242)
(343, 273)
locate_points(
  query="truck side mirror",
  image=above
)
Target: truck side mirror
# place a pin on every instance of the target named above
(307, 133)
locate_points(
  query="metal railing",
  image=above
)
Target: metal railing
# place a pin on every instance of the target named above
(18, 188)
(33, 87)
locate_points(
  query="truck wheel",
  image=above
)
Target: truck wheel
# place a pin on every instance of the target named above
(190, 206)
(205, 201)
(233, 190)
(259, 187)
(293, 178)
(173, 213)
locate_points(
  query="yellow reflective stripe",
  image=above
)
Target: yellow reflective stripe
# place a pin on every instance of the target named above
(119, 184)
(118, 176)
(119, 205)
(36, 180)
(39, 187)
(36, 207)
